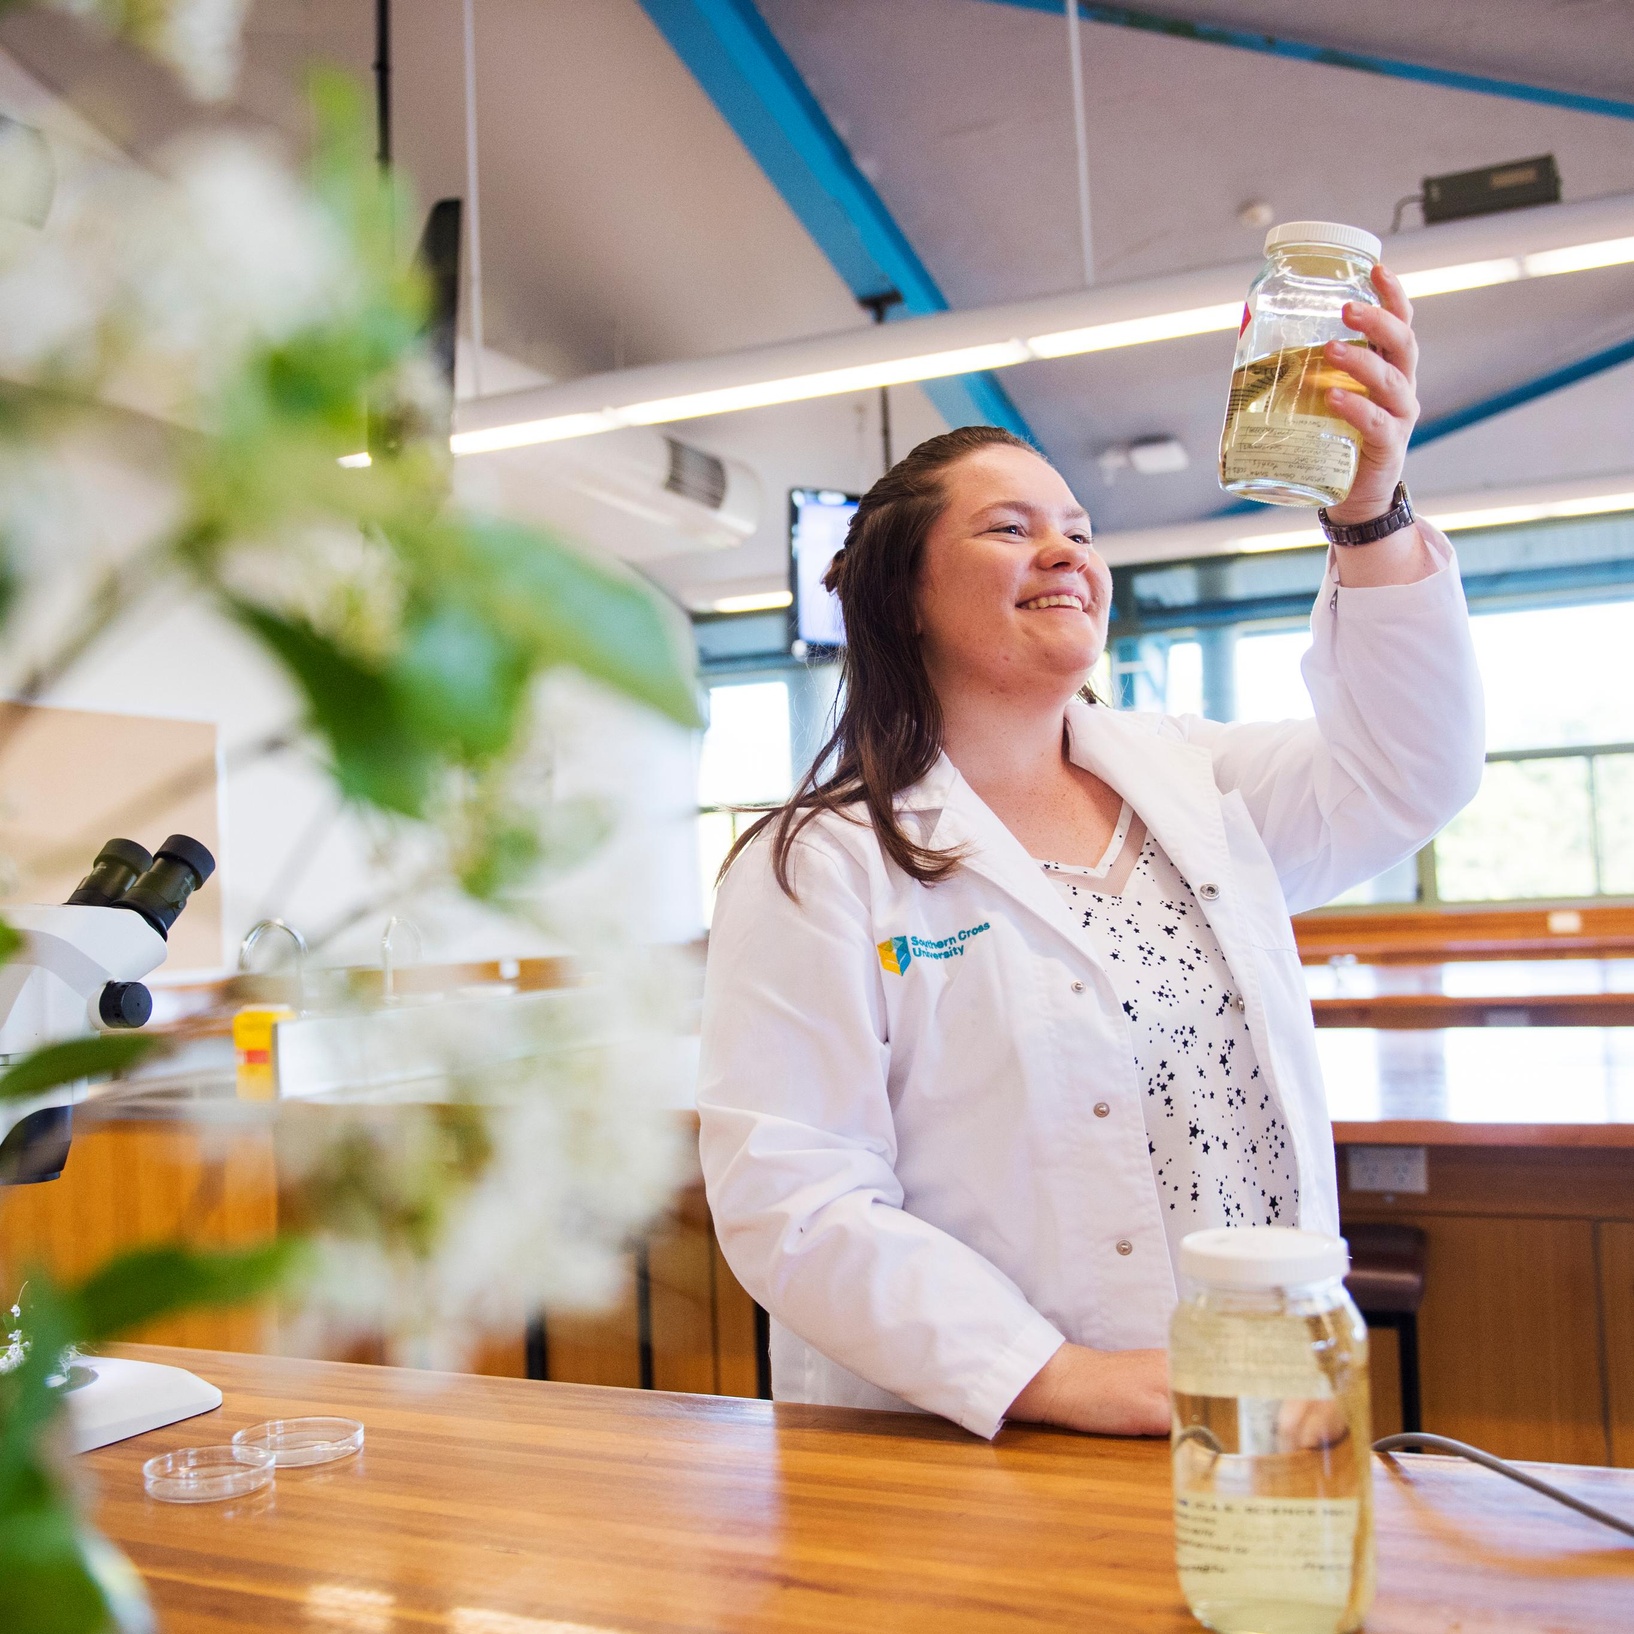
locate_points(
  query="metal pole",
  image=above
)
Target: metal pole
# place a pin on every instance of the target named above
(473, 195)
(879, 305)
(382, 81)
(1075, 56)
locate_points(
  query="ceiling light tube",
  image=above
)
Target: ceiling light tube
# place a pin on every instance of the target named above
(825, 383)
(1440, 260)
(1609, 252)
(1471, 275)
(767, 601)
(1462, 521)
(1106, 337)
(1460, 512)
(528, 433)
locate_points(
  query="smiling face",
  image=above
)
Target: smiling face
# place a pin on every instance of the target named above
(1012, 598)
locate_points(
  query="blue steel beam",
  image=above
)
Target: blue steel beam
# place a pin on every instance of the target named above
(1272, 45)
(736, 58)
(1429, 431)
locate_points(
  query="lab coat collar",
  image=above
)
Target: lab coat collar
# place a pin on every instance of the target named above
(1169, 782)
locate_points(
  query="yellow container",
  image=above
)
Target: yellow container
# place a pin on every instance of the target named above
(253, 1040)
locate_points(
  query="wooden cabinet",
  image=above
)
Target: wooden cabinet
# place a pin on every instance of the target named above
(1615, 1240)
(1526, 1335)
(131, 1183)
(684, 1322)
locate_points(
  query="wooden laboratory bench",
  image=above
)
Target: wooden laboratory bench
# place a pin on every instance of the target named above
(1413, 935)
(1512, 1149)
(495, 1506)
(1521, 1138)
(1473, 993)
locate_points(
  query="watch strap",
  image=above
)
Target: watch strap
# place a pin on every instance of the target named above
(1399, 516)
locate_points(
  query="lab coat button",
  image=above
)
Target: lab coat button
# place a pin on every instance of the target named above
(1077, 987)
(1125, 1246)
(1208, 891)
(1102, 1109)
(1238, 1002)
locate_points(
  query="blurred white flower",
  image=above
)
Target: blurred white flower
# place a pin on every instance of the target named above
(150, 290)
(198, 38)
(432, 1223)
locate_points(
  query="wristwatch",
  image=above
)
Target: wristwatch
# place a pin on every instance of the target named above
(1396, 518)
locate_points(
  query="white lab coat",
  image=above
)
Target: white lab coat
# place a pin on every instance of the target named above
(907, 1170)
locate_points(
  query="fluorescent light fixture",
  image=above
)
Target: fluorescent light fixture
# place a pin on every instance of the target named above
(1107, 337)
(1491, 516)
(1471, 275)
(767, 601)
(530, 432)
(829, 383)
(807, 384)
(1294, 539)
(355, 462)
(1500, 516)
(1609, 252)
(756, 394)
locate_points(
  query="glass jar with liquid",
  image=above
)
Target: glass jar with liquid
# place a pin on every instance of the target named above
(1271, 1434)
(1282, 443)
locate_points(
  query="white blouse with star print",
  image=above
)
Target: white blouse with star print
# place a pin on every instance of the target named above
(1220, 1150)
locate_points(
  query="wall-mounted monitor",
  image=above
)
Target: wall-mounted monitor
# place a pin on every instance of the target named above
(818, 519)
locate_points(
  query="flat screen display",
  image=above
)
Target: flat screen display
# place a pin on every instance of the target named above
(818, 519)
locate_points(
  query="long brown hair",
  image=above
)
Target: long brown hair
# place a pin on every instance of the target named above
(889, 732)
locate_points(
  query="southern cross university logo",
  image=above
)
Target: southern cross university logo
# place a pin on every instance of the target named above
(896, 953)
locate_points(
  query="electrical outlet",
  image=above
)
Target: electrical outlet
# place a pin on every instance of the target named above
(1389, 1169)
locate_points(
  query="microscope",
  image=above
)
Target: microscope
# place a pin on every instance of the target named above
(78, 973)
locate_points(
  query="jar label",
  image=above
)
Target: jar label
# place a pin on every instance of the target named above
(1307, 449)
(1251, 1359)
(1265, 1549)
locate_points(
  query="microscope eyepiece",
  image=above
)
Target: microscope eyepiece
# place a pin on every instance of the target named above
(180, 866)
(119, 864)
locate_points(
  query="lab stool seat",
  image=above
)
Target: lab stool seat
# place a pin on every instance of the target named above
(1387, 1282)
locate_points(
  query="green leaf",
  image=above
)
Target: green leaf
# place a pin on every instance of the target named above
(64, 1063)
(378, 755)
(152, 1282)
(462, 680)
(573, 610)
(49, 1586)
(10, 940)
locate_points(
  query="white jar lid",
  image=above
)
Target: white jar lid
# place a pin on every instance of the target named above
(1262, 1257)
(1325, 232)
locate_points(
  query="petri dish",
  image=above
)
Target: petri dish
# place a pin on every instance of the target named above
(200, 1475)
(293, 1442)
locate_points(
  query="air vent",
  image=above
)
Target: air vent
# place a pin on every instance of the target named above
(696, 475)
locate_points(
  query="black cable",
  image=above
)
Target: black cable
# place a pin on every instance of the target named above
(1401, 204)
(1462, 1449)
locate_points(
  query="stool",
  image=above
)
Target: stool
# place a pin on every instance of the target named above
(1387, 1282)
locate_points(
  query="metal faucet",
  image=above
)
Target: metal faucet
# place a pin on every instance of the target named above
(388, 965)
(260, 929)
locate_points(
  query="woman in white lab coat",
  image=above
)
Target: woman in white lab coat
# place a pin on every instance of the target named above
(1007, 1000)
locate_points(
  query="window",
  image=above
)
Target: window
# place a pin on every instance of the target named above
(1269, 686)
(747, 760)
(1554, 635)
(1183, 679)
(1555, 813)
